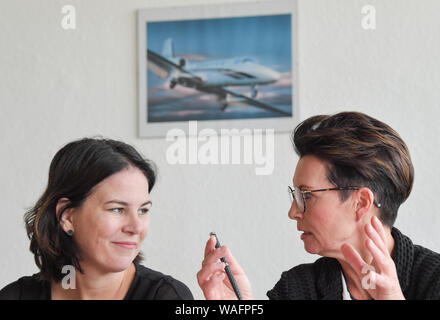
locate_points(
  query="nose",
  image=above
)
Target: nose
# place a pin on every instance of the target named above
(134, 224)
(294, 212)
(276, 75)
(272, 75)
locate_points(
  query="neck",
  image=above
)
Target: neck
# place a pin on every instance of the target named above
(96, 285)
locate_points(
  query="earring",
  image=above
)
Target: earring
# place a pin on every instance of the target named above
(70, 232)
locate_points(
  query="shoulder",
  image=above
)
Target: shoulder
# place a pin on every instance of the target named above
(426, 272)
(300, 281)
(154, 285)
(28, 287)
(418, 268)
(12, 291)
(426, 258)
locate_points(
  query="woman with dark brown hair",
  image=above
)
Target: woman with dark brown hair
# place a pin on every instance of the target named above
(353, 174)
(87, 228)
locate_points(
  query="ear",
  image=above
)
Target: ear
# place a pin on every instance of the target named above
(364, 202)
(66, 220)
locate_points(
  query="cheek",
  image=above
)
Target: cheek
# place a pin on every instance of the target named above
(145, 227)
(320, 215)
(325, 220)
(108, 229)
(321, 225)
(331, 224)
(98, 229)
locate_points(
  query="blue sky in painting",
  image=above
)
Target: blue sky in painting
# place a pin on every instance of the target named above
(266, 38)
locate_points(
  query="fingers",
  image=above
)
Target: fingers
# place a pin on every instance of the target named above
(353, 258)
(379, 274)
(364, 270)
(210, 246)
(376, 238)
(233, 264)
(212, 277)
(211, 287)
(358, 264)
(215, 255)
(212, 255)
(382, 261)
(375, 222)
(376, 244)
(208, 271)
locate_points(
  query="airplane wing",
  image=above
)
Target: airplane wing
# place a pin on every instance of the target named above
(160, 65)
(166, 68)
(253, 102)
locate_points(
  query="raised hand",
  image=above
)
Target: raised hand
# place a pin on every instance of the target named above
(212, 278)
(383, 282)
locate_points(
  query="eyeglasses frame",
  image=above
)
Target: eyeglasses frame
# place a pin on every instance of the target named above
(292, 192)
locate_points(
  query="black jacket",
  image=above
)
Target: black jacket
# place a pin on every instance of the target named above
(418, 270)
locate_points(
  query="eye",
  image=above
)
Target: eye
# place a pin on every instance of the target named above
(143, 211)
(307, 195)
(116, 210)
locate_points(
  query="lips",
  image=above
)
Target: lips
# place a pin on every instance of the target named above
(126, 244)
(302, 230)
(305, 234)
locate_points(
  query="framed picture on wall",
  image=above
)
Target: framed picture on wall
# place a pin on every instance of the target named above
(224, 66)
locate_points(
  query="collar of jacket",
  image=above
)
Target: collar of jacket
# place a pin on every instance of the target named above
(329, 283)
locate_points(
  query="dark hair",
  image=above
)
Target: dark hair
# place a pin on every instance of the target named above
(74, 172)
(360, 151)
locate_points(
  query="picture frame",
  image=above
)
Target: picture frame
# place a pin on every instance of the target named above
(226, 66)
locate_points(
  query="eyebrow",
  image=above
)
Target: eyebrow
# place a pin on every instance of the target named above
(123, 203)
(303, 186)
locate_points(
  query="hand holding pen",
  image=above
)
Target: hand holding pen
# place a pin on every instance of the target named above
(213, 278)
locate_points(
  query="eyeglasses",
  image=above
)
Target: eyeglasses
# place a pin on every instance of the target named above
(300, 196)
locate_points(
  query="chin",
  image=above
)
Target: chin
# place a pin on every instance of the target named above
(319, 250)
(120, 267)
(118, 264)
(312, 248)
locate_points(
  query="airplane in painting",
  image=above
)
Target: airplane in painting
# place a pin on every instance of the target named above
(214, 76)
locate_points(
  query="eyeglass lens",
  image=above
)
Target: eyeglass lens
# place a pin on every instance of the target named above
(297, 197)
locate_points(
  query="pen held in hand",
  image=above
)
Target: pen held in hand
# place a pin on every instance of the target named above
(228, 269)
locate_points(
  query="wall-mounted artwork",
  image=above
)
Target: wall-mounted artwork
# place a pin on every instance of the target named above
(225, 66)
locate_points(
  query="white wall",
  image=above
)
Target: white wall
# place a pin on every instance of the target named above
(57, 86)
